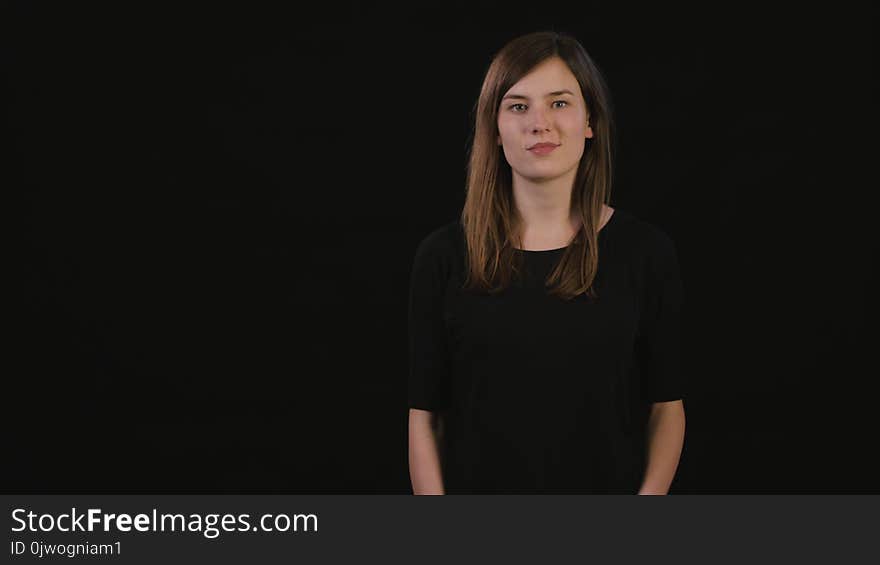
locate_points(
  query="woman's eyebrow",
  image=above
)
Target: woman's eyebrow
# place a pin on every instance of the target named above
(554, 93)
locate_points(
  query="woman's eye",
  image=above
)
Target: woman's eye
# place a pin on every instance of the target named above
(515, 107)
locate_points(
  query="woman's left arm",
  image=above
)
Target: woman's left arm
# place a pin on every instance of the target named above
(665, 435)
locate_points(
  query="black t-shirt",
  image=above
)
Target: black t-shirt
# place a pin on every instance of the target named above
(538, 394)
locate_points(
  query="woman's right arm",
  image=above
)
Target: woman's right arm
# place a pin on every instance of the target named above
(424, 458)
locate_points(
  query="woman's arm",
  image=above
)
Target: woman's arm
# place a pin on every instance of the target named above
(665, 433)
(424, 459)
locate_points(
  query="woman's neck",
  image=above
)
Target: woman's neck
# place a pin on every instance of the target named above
(544, 209)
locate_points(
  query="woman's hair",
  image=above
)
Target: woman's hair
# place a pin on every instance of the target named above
(491, 222)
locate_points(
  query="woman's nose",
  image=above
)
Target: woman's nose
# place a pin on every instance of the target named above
(540, 122)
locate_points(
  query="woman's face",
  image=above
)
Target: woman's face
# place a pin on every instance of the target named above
(545, 106)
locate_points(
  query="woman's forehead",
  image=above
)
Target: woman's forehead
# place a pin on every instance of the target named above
(549, 78)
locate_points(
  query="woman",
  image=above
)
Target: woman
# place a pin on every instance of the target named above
(544, 324)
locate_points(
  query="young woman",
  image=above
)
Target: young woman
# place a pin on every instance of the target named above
(544, 324)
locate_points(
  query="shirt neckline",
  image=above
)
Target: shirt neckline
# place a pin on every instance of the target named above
(558, 249)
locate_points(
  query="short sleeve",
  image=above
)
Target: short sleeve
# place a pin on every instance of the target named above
(428, 350)
(659, 342)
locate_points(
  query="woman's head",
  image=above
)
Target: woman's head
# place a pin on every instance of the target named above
(540, 87)
(544, 106)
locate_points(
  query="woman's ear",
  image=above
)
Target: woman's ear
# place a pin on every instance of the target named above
(589, 131)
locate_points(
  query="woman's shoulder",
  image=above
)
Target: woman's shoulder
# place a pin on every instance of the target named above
(443, 243)
(642, 236)
(442, 238)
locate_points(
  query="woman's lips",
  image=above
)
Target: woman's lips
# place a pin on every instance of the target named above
(543, 149)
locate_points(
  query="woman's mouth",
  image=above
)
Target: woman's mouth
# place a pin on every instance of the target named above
(542, 148)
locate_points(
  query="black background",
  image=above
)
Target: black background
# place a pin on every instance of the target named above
(220, 206)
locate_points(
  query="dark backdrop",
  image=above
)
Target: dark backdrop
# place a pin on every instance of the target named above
(219, 209)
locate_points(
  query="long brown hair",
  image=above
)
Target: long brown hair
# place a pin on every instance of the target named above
(489, 217)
